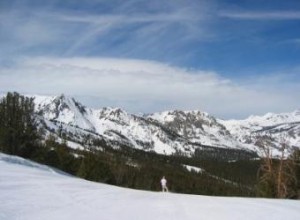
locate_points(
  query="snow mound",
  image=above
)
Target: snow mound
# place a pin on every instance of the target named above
(27, 163)
(31, 191)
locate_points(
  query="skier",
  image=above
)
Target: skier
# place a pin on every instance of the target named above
(163, 183)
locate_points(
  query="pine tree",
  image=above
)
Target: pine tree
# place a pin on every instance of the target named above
(18, 128)
(293, 174)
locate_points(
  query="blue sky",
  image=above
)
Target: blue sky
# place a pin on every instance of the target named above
(251, 45)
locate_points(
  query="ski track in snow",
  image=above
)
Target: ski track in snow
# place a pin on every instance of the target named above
(31, 191)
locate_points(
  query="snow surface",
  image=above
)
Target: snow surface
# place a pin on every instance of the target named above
(193, 168)
(259, 122)
(199, 127)
(32, 191)
(281, 126)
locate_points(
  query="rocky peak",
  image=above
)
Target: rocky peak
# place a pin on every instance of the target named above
(169, 130)
(297, 113)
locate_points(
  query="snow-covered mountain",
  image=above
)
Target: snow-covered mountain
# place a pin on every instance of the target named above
(32, 191)
(166, 132)
(111, 124)
(281, 127)
(198, 127)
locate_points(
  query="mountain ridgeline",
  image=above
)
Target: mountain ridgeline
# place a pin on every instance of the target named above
(170, 133)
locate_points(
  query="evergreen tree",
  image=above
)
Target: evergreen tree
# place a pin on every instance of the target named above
(293, 174)
(92, 168)
(18, 128)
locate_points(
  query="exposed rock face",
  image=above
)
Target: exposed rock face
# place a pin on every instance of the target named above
(166, 132)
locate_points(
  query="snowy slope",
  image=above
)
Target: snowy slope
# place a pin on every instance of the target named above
(29, 191)
(166, 132)
(63, 109)
(284, 125)
(112, 124)
(199, 127)
(256, 123)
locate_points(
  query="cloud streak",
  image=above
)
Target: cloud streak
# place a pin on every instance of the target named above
(261, 15)
(118, 32)
(177, 16)
(146, 86)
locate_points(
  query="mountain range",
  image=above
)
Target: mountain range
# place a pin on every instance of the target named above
(168, 132)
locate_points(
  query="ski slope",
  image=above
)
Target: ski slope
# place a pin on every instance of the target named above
(32, 191)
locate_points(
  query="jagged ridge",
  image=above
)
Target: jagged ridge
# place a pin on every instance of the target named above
(167, 132)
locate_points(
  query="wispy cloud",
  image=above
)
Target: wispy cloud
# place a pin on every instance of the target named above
(293, 41)
(117, 31)
(190, 33)
(261, 15)
(101, 25)
(147, 86)
(177, 16)
(132, 27)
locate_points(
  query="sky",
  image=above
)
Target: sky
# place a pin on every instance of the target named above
(229, 58)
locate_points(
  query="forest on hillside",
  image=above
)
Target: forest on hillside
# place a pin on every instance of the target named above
(22, 134)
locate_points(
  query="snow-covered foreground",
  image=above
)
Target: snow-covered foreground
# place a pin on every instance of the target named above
(32, 191)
